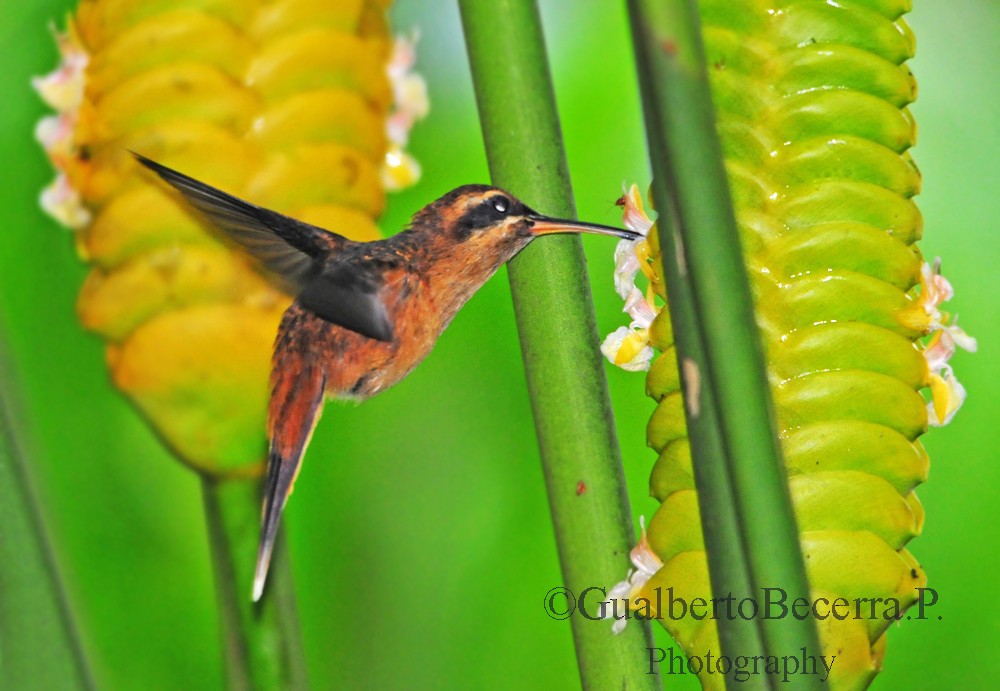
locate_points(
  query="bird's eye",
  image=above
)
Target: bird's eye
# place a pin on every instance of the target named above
(501, 204)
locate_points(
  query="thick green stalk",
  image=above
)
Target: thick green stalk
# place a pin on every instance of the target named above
(720, 521)
(38, 642)
(261, 643)
(555, 317)
(682, 136)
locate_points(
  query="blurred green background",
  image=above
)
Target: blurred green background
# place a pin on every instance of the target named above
(419, 532)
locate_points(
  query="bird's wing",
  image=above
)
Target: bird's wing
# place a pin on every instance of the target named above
(295, 252)
(290, 249)
(348, 294)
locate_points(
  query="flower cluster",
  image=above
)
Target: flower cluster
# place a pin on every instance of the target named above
(63, 89)
(947, 394)
(628, 346)
(410, 104)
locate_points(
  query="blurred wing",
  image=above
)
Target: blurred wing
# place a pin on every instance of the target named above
(291, 249)
(295, 252)
(348, 295)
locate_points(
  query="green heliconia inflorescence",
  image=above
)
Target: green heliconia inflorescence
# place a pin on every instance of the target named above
(302, 106)
(811, 105)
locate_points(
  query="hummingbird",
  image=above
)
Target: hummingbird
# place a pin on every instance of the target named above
(365, 313)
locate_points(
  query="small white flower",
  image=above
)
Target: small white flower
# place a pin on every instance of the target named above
(947, 396)
(934, 289)
(399, 170)
(62, 89)
(635, 217)
(63, 203)
(55, 134)
(626, 266)
(628, 348)
(640, 308)
(646, 564)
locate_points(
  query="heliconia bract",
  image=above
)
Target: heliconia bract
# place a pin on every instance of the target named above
(811, 110)
(303, 106)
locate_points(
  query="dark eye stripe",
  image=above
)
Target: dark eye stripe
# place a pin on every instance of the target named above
(482, 215)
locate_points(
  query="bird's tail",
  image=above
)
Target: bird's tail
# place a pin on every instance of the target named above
(296, 404)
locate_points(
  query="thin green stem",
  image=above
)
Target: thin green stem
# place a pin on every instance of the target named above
(39, 648)
(720, 522)
(555, 318)
(261, 644)
(694, 187)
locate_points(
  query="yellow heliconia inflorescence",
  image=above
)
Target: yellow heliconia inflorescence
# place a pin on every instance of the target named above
(811, 111)
(302, 106)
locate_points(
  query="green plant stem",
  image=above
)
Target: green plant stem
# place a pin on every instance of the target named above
(39, 648)
(555, 318)
(694, 188)
(261, 644)
(720, 522)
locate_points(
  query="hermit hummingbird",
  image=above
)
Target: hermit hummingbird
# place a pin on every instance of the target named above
(365, 313)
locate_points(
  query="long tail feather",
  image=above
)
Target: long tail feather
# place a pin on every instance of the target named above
(296, 404)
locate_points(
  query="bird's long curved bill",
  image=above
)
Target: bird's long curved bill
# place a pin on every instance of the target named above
(543, 225)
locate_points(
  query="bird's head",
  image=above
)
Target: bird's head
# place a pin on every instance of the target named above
(495, 224)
